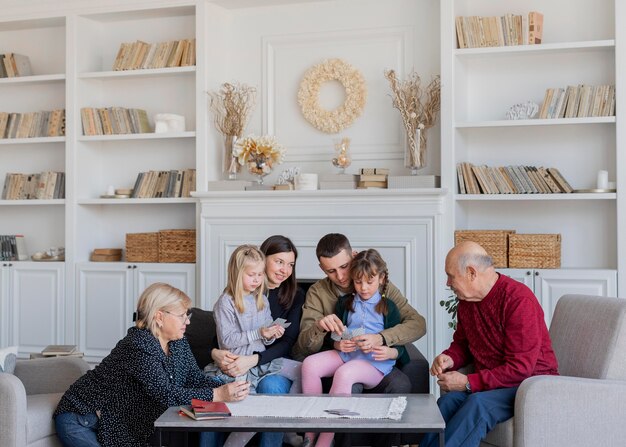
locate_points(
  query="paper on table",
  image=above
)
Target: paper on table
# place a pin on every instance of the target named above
(316, 406)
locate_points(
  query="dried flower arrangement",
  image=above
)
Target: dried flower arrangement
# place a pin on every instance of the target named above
(332, 121)
(259, 154)
(418, 108)
(231, 106)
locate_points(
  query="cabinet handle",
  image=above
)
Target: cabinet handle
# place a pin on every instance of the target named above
(129, 266)
(134, 266)
(10, 265)
(527, 272)
(536, 273)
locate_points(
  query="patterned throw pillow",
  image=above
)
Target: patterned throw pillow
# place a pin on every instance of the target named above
(8, 356)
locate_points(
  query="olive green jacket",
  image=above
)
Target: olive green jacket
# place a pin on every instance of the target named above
(321, 300)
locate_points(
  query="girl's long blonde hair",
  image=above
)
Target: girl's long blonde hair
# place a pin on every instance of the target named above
(242, 257)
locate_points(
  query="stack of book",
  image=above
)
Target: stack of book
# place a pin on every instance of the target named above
(338, 181)
(114, 121)
(13, 248)
(32, 124)
(161, 184)
(58, 351)
(13, 65)
(509, 29)
(510, 180)
(373, 178)
(142, 55)
(45, 185)
(577, 101)
(202, 410)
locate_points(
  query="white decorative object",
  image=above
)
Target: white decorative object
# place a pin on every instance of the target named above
(168, 122)
(287, 177)
(522, 111)
(332, 121)
(603, 180)
(306, 182)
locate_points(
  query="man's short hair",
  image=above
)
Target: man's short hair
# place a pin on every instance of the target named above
(480, 262)
(331, 245)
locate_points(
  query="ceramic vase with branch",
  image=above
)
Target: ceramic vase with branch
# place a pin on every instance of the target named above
(419, 107)
(231, 107)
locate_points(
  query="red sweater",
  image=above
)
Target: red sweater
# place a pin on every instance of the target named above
(505, 336)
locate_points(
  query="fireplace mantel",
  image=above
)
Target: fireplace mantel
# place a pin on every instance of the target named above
(404, 225)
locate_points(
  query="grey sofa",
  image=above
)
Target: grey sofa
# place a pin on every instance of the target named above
(28, 399)
(587, 403)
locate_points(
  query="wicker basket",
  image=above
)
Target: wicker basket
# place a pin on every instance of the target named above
(495, 242)
(535, 251)
(142, 247)
(177, 246)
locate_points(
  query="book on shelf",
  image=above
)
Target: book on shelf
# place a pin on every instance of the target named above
(15, 65)
(578, 101)
(374, 171)
(535, 27)
(143, 55)
(202, 410)
(373, 177)
(13, 248)
(55, 350)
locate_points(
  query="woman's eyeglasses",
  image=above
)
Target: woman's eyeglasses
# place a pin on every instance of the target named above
(183, 317)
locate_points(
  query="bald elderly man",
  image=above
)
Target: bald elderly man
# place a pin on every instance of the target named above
(501, 330)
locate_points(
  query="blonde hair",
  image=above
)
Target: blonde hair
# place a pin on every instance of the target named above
(244, 256)
(158, 297)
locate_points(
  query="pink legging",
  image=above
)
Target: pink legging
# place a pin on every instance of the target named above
(327, 364)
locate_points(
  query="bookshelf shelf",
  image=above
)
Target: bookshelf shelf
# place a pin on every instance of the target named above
(32, 202)
(35, 79)
(38, 140)
(600, 45)
(537, 122)
(164, 201)
(146, 73)
(137, 136)
(534, 197)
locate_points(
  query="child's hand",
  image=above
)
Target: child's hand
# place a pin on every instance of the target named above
(271, 332)
(345, 346)
(367, 342)
(280, 331)
(381, 353)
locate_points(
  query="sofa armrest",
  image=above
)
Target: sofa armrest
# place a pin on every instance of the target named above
(53, 375)
(564, 411)
(417, 370)
(12, 411)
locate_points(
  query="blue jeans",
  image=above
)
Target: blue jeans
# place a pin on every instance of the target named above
(272, 384)
(77, 430)
(469, 417)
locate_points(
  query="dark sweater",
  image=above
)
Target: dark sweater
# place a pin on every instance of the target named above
(505, 335)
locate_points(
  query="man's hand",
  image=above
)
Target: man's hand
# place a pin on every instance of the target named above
(452, 381)
(241, 365)
(367, 342)
(441, 363)
(330, 323)
(345, 346)
(381, 353)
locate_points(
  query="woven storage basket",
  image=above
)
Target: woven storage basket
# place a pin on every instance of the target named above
(495, 242)
(535, 251)
(142, 247)
(177, 246)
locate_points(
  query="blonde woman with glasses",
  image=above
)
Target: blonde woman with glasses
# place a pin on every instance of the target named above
(151, 368)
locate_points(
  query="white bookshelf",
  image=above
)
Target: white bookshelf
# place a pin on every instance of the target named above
(483, 83)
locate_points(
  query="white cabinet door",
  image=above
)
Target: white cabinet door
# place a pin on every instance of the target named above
(35, 304)
(550, 285)
(108, 294)
(525, 276)
(104, 293)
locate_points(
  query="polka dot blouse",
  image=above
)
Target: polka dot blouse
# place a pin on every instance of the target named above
(134, 385)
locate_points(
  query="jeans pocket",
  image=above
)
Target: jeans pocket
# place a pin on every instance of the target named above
(88, 420)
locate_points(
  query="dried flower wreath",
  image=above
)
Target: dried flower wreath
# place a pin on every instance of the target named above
(332, 121)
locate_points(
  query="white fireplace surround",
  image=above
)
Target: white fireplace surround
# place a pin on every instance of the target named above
(404, 225)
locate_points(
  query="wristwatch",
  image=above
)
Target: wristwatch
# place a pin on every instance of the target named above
(468, 387)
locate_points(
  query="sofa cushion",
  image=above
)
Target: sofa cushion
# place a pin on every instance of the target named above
(201, 335)
(8, 356)
(40, 408)
(501, 435)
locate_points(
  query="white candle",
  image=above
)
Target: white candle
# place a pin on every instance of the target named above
(603, 180)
